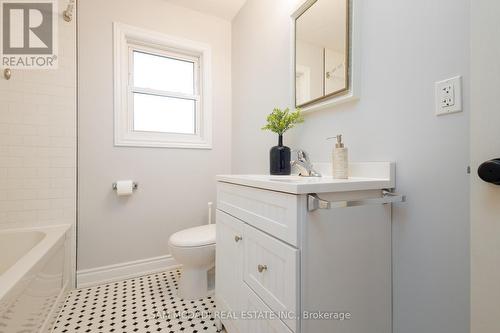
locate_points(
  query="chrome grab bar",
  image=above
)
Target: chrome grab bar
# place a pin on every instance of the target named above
(314, 202)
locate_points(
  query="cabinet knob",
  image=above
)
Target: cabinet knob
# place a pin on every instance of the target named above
(237, 238)
(262, 268)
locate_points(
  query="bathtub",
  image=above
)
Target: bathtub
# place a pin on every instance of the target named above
(34, 277)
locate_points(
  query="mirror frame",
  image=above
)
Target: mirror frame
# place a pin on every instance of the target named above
(353, 90)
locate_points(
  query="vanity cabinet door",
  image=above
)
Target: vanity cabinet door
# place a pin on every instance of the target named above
(229, 268)
(271, 270)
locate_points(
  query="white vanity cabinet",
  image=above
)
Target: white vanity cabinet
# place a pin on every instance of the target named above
(284, 255)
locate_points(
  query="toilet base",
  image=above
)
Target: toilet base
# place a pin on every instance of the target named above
(193, 283)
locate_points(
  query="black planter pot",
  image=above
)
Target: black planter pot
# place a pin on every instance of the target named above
(279, 158)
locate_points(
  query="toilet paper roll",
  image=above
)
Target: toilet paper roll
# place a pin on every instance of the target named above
(124, 187)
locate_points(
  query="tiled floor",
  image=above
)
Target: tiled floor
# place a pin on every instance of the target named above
(145, 305)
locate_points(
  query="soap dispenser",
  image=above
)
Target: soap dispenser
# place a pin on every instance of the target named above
(340, 159)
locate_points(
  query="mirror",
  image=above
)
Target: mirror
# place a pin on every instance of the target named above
(321, 51)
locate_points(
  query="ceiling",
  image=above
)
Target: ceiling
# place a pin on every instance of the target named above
(225, 9)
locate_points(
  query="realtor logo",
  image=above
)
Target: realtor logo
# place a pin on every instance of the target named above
(29, 34)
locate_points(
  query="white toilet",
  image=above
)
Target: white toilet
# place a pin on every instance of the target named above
(194, 248)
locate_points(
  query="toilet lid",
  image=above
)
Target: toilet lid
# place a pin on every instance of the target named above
(197, 236)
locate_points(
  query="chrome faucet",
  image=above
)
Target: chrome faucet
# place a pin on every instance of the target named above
(304, 166)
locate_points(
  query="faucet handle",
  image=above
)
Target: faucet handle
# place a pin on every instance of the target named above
(301, 155)
(305, 166)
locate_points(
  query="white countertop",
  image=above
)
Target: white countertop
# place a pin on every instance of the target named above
(363, 176)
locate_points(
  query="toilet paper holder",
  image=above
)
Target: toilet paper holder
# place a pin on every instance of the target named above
(134, 186)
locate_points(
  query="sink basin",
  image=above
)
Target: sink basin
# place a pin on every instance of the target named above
(296, 179)
(286, 179)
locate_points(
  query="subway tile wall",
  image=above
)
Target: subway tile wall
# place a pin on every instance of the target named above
(38, 140)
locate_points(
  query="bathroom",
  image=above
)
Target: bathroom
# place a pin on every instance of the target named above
(98, 202)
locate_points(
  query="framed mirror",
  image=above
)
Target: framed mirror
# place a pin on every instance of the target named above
(323, 58)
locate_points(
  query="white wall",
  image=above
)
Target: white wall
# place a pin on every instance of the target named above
(174, 184)
(260, 79)
(485, 145)
(38, 141)
(407, 46)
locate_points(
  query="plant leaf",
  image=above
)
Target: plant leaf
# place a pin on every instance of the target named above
(279, 121)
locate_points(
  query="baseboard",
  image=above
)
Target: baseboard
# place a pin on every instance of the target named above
(126, 270)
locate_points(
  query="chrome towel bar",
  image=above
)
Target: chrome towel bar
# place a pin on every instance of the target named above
(314, 202)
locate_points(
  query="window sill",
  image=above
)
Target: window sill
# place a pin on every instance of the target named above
(133, 141)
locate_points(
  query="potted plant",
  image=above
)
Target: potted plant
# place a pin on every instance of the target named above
(279, 121)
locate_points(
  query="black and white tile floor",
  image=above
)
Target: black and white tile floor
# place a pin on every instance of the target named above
(145, 304)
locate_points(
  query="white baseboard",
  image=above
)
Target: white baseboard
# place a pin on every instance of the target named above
(126, 270)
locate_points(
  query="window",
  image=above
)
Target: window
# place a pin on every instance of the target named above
(162, 91)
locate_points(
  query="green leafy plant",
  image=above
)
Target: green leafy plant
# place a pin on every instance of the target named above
(279, 121)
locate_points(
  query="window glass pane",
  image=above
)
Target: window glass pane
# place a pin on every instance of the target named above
(162, 73)
(163, 114)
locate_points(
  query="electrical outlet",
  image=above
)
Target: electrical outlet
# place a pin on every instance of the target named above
(449, 96)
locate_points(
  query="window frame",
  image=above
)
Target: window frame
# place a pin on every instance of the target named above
(128, 39)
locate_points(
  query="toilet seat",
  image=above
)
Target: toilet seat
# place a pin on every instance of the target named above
(193, 237)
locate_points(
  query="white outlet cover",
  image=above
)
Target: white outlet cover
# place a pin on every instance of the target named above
(449, 102)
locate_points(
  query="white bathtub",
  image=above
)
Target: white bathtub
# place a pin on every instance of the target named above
(34, 266)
